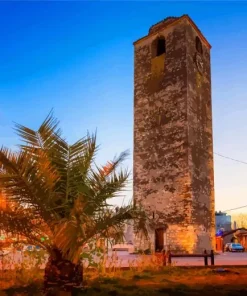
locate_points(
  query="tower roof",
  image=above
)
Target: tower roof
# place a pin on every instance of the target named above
(170, 21)
(162, 24)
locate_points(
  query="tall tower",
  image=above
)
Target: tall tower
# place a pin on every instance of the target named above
(173, 149)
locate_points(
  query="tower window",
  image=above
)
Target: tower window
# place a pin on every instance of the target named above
(158, 47)
(198, 45)
(161, 46)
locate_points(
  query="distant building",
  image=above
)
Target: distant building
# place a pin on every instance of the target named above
(128, 232)
(222, 222)
(234, 225)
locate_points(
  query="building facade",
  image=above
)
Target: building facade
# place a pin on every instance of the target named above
(173, 149)
(223, 222)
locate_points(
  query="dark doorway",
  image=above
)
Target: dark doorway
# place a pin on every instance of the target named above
(158, 47)
(159, 239)
(161, 46)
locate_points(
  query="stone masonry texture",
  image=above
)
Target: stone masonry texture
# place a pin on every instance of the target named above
(173, 148)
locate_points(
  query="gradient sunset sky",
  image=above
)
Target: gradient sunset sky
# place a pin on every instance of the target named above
(77, 57)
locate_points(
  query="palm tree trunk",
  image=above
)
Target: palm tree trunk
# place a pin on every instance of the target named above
(60, 272)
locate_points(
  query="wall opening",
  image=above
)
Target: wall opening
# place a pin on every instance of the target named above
(159, 239)
(198, 45)
(161, 46)
(158, 47)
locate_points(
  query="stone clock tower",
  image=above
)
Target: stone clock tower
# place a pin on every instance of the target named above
(173, 149)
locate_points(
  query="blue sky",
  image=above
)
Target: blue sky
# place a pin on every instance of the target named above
(77, 57)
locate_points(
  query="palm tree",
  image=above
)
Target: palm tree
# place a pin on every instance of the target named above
(60, 193)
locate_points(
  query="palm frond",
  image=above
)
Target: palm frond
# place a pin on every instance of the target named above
(27, 182)
(41, 138)
(64, 189)
(71, 234)
(102, 189)
(111, 166)
(78, 161)
(24, 223)
(67, 239)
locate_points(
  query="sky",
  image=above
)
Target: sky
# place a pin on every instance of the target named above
(77, 57)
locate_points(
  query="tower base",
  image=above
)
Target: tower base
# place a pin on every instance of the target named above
(177, 239)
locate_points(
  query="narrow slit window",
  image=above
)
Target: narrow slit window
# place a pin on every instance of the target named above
(198, 45)
(161, 46)
(158, 47)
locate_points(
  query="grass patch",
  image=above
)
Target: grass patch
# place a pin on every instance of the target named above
(177, 281)
(111, 281)
(164, 281)
(144, 275)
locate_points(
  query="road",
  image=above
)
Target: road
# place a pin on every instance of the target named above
(221, 259)
(124, 260)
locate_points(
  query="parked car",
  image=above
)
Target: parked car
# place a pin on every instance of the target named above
(236, 247)
(226, 248)
(31, 248)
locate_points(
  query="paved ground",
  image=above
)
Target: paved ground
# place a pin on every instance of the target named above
(125, 260)
(221, 259)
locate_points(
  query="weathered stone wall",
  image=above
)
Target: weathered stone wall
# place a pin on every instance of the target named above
(165, 159)
(200, 143)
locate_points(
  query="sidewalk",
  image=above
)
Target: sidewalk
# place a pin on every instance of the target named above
(220, 259)
(124, 259)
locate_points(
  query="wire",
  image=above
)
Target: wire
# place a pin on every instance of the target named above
(236, 161)
(240, 161)
(234, 209)
(230, 158)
